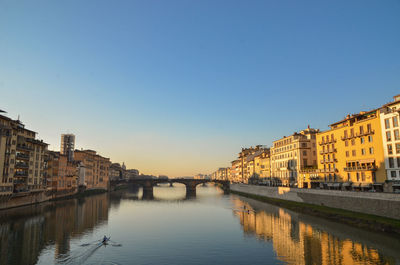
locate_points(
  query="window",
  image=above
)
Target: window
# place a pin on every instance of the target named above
(398, 162)
(387, 123)
(348, 176)
(358, 176)
(305, 162)
(353, 153)
(393, 174)
(391, 162)
(397, 148)
(371, 150)
(304, 153)
(345, 134)
(363, 151)
(370, 138)
(396, 134)
(390, 149)
(352, 132)
(369, 128)
(362, 140)
(353, 141)
(363, 176)
(347, 153)
(395, 122)
(346, 143)
(361, 129)
(388, 136)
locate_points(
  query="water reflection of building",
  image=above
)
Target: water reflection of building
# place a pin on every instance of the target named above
(296, 242)
(23, 237)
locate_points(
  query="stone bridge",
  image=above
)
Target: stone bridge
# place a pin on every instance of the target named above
(191, 184)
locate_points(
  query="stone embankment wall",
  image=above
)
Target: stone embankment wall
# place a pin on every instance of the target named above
(381, 204)
(22, 200)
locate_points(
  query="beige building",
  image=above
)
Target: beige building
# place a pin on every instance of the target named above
(96, 168)
(21, 158)
(246, 165)
(390, 119)
(290, 155)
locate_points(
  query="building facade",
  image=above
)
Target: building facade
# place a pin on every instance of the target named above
(389, 119)
(292, 154)
(350, 154)
(96, 168)
(21, 158)
(68, 146)
(61, 174)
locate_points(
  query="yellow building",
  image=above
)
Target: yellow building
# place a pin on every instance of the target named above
(246, 164)
(350, 153)
(21, 158)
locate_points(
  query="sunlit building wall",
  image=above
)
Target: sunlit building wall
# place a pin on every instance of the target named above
(290, 155)
(390, 119)
(350, 153)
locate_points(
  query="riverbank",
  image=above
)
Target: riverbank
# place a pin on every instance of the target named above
(353, 218)
(20, 200)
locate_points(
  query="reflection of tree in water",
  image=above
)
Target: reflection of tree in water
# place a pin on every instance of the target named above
(296, 242)
(28, 230)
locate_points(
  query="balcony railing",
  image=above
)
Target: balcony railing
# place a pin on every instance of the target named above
(361, 168)
(21, 165)
(330, 141)
(24, 147)
(21, 173)
(18, 181)
(365, 133)
(22, 156)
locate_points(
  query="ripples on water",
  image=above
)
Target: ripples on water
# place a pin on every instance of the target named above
(212, 228)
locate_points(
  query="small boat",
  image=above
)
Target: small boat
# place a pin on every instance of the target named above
(104, 241)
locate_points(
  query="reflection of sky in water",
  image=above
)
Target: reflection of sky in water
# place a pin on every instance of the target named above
(213, 228)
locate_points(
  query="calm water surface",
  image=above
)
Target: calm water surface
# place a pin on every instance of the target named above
(212, 228)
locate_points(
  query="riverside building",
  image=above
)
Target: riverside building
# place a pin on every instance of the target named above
(21, 158)
(350, 153)
(95, 167)
(290, 155)
(389, 120)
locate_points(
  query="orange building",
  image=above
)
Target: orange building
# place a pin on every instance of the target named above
(61, 174)
(96, 169)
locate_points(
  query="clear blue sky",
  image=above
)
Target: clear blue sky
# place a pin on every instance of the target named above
(178, 87)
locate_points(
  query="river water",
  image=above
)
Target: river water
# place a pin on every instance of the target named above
(212, 228)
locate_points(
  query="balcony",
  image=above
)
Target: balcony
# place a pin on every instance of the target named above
(21, 174)
(361, 168)
(348, 137)
(24, 147)
(22, 165)
(366, 133)
(22, 156)
(329, 170)
(18, 181)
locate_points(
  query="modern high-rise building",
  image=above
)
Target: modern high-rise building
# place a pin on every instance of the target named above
(68, 146)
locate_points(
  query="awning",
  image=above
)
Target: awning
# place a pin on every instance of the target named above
(395, 185)
(365, 185)
(330, 184)
(336, 185)
(346, 184)
(365, 161)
